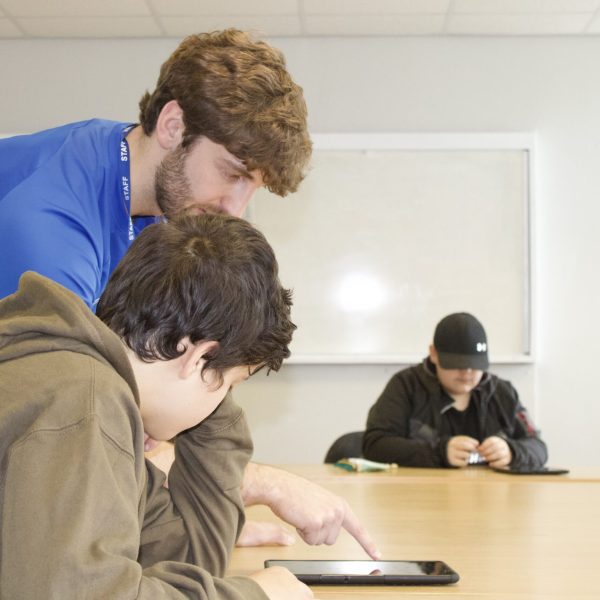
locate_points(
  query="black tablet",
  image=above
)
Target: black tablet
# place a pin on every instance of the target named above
(369, 572)
(530, 471)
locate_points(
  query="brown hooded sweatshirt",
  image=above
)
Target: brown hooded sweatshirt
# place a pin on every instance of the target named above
(83, 514)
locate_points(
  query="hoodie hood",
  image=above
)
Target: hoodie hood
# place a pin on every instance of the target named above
(43, 316)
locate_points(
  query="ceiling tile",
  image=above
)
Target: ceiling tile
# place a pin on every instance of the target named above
(374, 7)
(517, 24)
(524, 6)
(8, 29)
(74, 8)
(262, 26)
(336, 25)
(97, 27)
(224, 7)
(135, 18)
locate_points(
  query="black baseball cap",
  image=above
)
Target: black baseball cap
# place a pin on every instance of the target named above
(461, 343)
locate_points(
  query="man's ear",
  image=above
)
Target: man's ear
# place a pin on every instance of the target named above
(170, 126)
(192, 360)
(433, 355)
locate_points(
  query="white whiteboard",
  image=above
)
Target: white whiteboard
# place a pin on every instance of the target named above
(389, 233)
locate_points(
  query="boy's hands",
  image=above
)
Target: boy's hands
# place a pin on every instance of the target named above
(263, 533)
(494, 450)
(317, 515)
(459, 449)
(279, 584)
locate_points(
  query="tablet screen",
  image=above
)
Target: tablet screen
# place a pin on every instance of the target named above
(369, 571)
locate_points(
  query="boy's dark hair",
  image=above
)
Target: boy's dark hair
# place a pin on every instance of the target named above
(237, 92)
(206, 277)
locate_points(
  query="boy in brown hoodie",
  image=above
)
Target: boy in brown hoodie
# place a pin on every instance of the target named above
(194, 308)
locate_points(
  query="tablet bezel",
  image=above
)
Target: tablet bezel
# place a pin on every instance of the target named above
(326, 576)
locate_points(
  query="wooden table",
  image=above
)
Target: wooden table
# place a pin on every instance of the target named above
(509, 537)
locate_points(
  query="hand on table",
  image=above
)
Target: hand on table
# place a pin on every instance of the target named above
(262, 533)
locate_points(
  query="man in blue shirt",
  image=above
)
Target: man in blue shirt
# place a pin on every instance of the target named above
(225, 118)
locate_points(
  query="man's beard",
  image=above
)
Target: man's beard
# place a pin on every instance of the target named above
(171, 186)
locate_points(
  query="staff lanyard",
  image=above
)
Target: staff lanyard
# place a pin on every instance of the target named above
(124, 177)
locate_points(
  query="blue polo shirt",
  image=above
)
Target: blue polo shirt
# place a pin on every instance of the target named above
(64, 206)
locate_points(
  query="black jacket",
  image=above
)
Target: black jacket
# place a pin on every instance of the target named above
(408, 424)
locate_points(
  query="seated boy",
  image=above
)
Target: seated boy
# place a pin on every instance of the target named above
(194, 308)
(449, 411)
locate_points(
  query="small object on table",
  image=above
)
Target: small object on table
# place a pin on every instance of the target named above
(362, 465)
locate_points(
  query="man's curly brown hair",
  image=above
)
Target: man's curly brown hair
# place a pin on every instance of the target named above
(237, 92)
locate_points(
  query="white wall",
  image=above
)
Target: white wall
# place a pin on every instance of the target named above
(547, 85)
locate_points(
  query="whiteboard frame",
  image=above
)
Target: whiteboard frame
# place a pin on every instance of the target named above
(520, 141)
